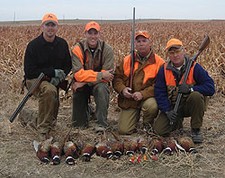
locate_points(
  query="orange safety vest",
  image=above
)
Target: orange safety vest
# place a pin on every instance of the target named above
(170, 79)
(150, 71)
(171, 82)
(91, 73)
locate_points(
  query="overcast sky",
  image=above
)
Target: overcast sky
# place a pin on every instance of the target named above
(11, 10)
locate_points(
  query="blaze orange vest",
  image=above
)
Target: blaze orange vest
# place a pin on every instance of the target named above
(150, 71)
(171, 82)
(170, 79)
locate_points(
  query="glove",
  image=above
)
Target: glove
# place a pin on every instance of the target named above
(184, 89)
(172, 116)
(59, 73)
(55, 81)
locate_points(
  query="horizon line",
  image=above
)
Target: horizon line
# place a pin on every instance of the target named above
(138, 19)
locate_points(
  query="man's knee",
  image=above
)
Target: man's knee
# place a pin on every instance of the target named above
(101, 89)
(125, 130)
(158, 131)
(150, 103)
(196, 97)
(161, 125)
(150, 106)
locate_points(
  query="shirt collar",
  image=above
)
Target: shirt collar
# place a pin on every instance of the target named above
(144, 58)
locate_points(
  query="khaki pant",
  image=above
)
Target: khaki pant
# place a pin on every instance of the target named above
(129, 118)
(191, 106)
(48, 105)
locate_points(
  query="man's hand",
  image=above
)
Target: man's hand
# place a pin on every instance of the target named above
(108, 75)
(55, 81)
(137, 96)
(172, 116)
(77, 85)
(127, 92)
(184, 89)
(59, 73)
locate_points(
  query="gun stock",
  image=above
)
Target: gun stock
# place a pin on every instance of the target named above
(28, 95)
(132, 51)
(203, 45)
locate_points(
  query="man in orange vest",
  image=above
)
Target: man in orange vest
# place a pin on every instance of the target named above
(169, 83)
(93, 65)
(141, 96)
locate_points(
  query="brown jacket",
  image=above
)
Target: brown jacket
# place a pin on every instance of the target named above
(143, 78)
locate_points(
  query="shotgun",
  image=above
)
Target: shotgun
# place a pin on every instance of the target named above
(203, 45)
(132, 51)
(70, 84)
(28, 95)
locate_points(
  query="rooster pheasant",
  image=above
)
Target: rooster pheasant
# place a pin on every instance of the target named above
(87, 151)
(43, 149)
(71, 152)
(56, 152)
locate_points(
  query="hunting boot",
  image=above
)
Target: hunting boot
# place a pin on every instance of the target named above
(196, 135)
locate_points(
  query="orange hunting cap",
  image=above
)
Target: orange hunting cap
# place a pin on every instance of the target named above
(49, 17)
(173, 43)
(93, 25)
(142, 33)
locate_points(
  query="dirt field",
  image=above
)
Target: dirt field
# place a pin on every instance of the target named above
(17, 155)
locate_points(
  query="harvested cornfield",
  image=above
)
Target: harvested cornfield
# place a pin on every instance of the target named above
(17, 154)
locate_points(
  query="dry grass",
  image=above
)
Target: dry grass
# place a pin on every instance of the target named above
(17, 155)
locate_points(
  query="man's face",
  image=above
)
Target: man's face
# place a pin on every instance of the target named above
(92, 37)
(176, 56)
(49, 29)
(143, 45)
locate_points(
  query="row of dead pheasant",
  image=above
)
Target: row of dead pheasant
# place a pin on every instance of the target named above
(52, 152)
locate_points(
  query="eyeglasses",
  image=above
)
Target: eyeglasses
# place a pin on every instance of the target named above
(175, 51)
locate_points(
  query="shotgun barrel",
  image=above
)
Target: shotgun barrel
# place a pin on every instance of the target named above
(28, 95)
(132, 51)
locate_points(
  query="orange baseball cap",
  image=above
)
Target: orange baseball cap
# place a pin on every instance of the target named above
(173, 43)
(49, 17)
(93, 25)
(142, 33)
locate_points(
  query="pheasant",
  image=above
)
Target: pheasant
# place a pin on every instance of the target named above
(56, 153)
(169, 146)
(103, 150)
(156, 145)
(117, 148)
(116, 145)
(143, 145)
(187, 144)
(130, 146)
(87, 151)
(71, 152)
(43, 149)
